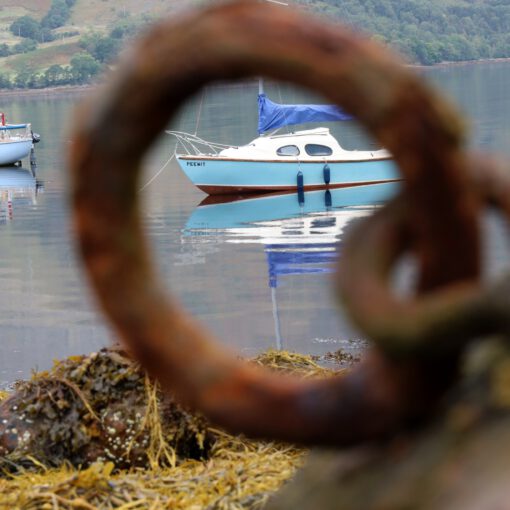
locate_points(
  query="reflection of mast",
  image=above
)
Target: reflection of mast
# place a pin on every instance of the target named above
(273, 283)
(297, 258)
(276, 317)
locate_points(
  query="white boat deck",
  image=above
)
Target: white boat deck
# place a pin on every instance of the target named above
(307, 145)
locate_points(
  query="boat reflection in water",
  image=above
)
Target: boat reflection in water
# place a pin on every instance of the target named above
(18, 186)
(301, 233)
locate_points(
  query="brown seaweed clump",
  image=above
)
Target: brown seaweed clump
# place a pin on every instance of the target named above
(292, 363)
(100, 407)
(240, 475)
(78, 426)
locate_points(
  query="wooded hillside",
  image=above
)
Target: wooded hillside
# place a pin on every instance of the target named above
(59, 42)
(430, 31)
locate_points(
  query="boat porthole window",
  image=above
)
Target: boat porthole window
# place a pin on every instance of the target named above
(288, 150)
(314, 149)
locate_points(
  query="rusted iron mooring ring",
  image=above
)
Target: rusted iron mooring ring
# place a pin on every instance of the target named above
(114, 130)
(438, 323)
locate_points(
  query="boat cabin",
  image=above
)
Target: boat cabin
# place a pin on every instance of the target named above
(309, 145)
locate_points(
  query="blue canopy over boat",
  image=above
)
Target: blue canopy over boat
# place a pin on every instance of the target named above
(273, 115)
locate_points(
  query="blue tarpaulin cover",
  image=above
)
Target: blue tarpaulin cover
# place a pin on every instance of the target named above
(274, 115)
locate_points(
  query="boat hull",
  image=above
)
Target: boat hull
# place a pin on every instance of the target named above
(14, 151)
(220, 176)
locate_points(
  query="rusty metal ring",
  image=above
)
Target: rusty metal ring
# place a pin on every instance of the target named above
(439, 323)
(232, 41)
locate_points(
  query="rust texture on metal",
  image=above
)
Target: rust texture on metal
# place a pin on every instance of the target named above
(390, 388)
(439, 323)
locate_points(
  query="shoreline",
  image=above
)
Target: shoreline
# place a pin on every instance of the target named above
(48, 90)
(463, 63)
(88, 87)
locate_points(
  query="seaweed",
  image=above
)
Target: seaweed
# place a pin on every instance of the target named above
(95, 432)
(102, 408)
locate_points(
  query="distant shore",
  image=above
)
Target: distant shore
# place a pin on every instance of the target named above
(47, 91)
(86, 88)
(463, 62)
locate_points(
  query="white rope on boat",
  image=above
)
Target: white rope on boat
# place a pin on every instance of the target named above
(199, 114)
(158, 173)
(184, 138)
(191, 142)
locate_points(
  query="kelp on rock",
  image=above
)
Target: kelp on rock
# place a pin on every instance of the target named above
(100, 407)
(94, 432)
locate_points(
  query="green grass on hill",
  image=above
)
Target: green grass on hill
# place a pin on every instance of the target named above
(45, 56)
(102, 13)
(87, 16)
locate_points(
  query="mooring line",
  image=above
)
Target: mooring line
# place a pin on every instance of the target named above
(152, 179)
(199, 113)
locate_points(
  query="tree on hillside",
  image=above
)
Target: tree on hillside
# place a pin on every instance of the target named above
(103, 48)
(22, 79)
(5, 82)
(106, 49)
(57, 16)
(26, 26)
(5, 51)
(84, 67)
(55, 75)
(29, 28)
(24, 46)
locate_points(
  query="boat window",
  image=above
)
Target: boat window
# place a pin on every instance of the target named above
(314, 149)
(288, 150)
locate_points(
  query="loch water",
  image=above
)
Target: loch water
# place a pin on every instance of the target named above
(257, 273)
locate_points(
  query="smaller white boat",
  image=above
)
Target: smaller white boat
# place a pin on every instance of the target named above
(16, 141)
(303, 160)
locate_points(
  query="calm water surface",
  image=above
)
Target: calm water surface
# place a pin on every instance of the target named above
(256, 272)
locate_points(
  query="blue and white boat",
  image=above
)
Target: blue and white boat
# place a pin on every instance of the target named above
(308, 160)
(16, 141)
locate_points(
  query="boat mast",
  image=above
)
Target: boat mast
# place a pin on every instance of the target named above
(261, 81)
(261, 86)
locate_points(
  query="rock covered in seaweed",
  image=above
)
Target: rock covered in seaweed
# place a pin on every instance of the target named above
(235, 472)
(100, 407)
